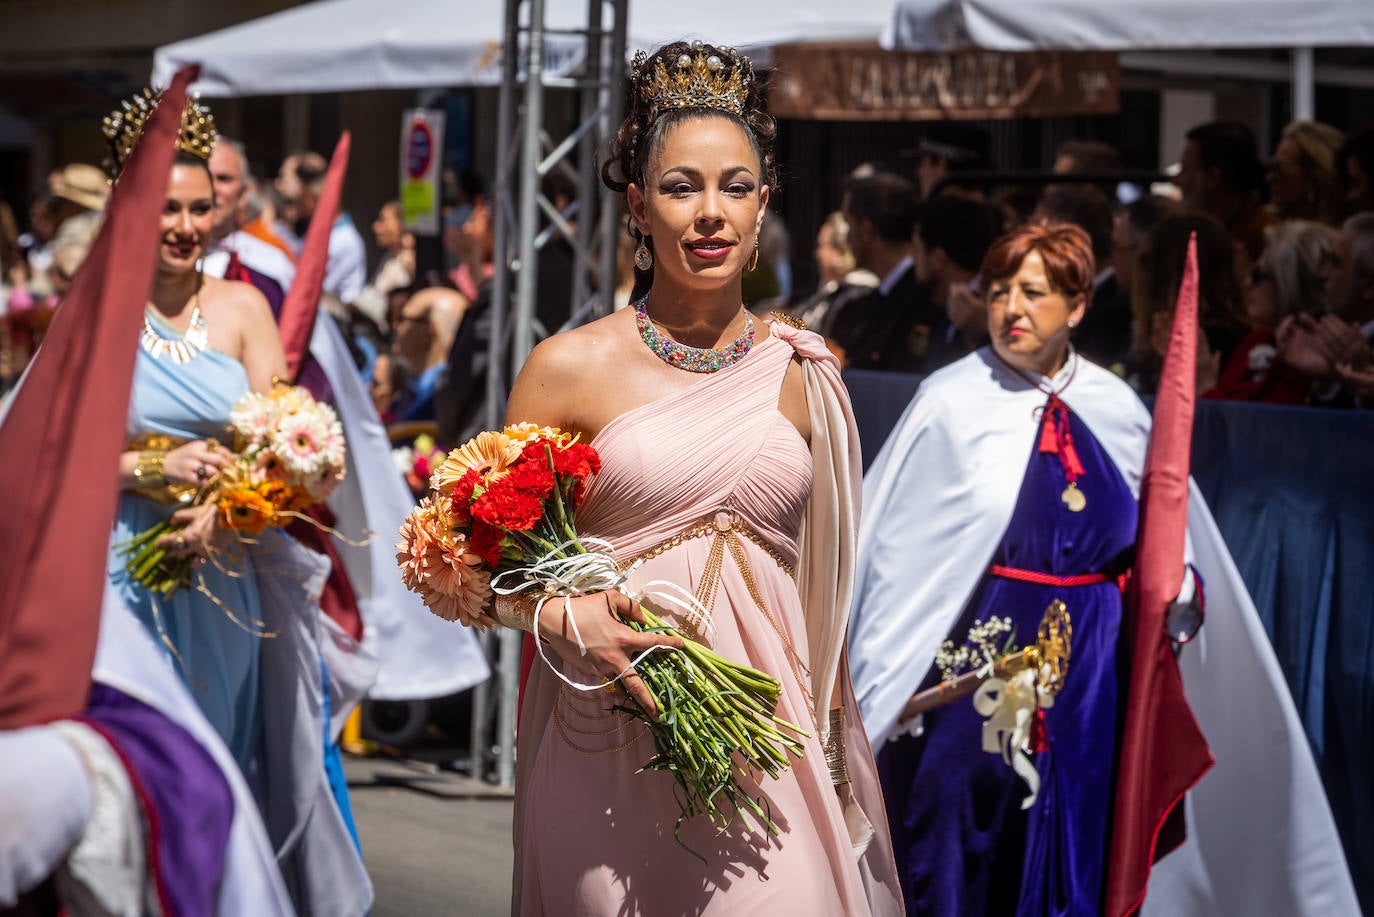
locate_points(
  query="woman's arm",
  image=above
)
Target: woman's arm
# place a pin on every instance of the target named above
(545, 390)
(189, 463)
(792, 400)
(262, 355)
(546, 393)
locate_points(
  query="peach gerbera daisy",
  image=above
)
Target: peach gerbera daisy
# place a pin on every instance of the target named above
(437, 564)
(490, 454)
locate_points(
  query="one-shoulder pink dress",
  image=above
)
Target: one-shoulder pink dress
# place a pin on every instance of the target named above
(710, 487)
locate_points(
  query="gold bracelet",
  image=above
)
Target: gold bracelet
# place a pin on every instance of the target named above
(835, 758)
(148, 470)
(515, 611)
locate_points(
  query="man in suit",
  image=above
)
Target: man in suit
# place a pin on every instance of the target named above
(1104, 335)
(889, 328)
(1220, 173)
(952, 237)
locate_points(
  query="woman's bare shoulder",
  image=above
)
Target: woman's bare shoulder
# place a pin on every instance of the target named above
(572, 352)
(234, 300)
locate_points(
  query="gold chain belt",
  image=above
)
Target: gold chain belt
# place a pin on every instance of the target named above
(722, 526)
(722, 523)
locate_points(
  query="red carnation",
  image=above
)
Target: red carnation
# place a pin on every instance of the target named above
(577, 460)
(461, 498)
(508, 507)
(531, 475)
(486, 543)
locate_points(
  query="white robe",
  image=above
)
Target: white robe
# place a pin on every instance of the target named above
(937, 502)
(47, 794)
(418, 654)
(129, 661)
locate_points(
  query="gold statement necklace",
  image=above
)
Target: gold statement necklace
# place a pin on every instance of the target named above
(180, 350)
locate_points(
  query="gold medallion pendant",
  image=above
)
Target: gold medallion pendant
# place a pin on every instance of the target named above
(1073, 498)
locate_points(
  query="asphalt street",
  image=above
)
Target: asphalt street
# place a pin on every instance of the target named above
(435, 843)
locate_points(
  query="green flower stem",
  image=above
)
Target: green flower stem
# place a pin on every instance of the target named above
(151, 566)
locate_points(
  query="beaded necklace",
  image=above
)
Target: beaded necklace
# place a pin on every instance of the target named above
(692, 359)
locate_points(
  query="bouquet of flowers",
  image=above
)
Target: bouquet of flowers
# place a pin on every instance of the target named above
(1012, 685)
(289, 455)
(418, 461)
(501, 510)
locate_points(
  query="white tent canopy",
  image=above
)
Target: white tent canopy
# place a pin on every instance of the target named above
(1120, 25)
(340, 45)
(1129, 25)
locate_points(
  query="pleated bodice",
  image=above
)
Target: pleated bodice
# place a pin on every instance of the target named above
(722, 444)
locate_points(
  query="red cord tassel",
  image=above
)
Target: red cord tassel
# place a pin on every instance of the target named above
(1039, 738)
(1057, 438)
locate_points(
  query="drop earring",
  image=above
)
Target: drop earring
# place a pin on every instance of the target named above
(644, 259)
(754, 258)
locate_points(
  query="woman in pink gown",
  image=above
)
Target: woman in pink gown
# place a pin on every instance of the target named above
(730, 469)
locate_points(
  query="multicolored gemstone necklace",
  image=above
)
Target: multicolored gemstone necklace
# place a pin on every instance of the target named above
(692, 359)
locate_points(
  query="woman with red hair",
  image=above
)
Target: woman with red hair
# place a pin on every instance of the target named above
(972, 835)
(1009, 488)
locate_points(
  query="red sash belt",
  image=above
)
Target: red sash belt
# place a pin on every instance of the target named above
(1049, 579)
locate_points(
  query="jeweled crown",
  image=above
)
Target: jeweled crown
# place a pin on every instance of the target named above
(701, 78)
(123, 126)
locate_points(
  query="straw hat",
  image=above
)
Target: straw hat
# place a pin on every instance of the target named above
(81, 184)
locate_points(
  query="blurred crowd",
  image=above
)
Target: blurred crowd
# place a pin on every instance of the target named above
(1285, 248)
(1285, 254)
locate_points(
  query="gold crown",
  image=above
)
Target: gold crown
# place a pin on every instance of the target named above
(701, 79)
(124, 125)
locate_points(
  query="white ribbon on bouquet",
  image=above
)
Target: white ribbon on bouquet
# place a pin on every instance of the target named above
(557, 576)
(1010, 705)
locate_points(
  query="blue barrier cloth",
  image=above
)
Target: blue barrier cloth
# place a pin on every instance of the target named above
(1292, 493)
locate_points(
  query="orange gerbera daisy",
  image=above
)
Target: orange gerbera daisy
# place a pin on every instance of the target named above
(245, 510)
(276, 493)
(526, 433)
(490, 454)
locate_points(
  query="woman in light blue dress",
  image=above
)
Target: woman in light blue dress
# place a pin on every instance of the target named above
(205, 343)
(248, 629)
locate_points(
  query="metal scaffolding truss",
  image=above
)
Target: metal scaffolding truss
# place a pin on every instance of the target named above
(526, 153)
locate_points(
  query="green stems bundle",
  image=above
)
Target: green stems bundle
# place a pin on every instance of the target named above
(717, 720)
(153, 566)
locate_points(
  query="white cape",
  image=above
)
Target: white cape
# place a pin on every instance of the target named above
(937, 502)
(419, 654)
(127, 660)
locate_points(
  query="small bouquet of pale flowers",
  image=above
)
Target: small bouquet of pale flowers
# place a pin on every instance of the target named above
(289, 454)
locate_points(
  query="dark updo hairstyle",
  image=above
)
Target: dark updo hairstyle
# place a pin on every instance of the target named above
(640, 136)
